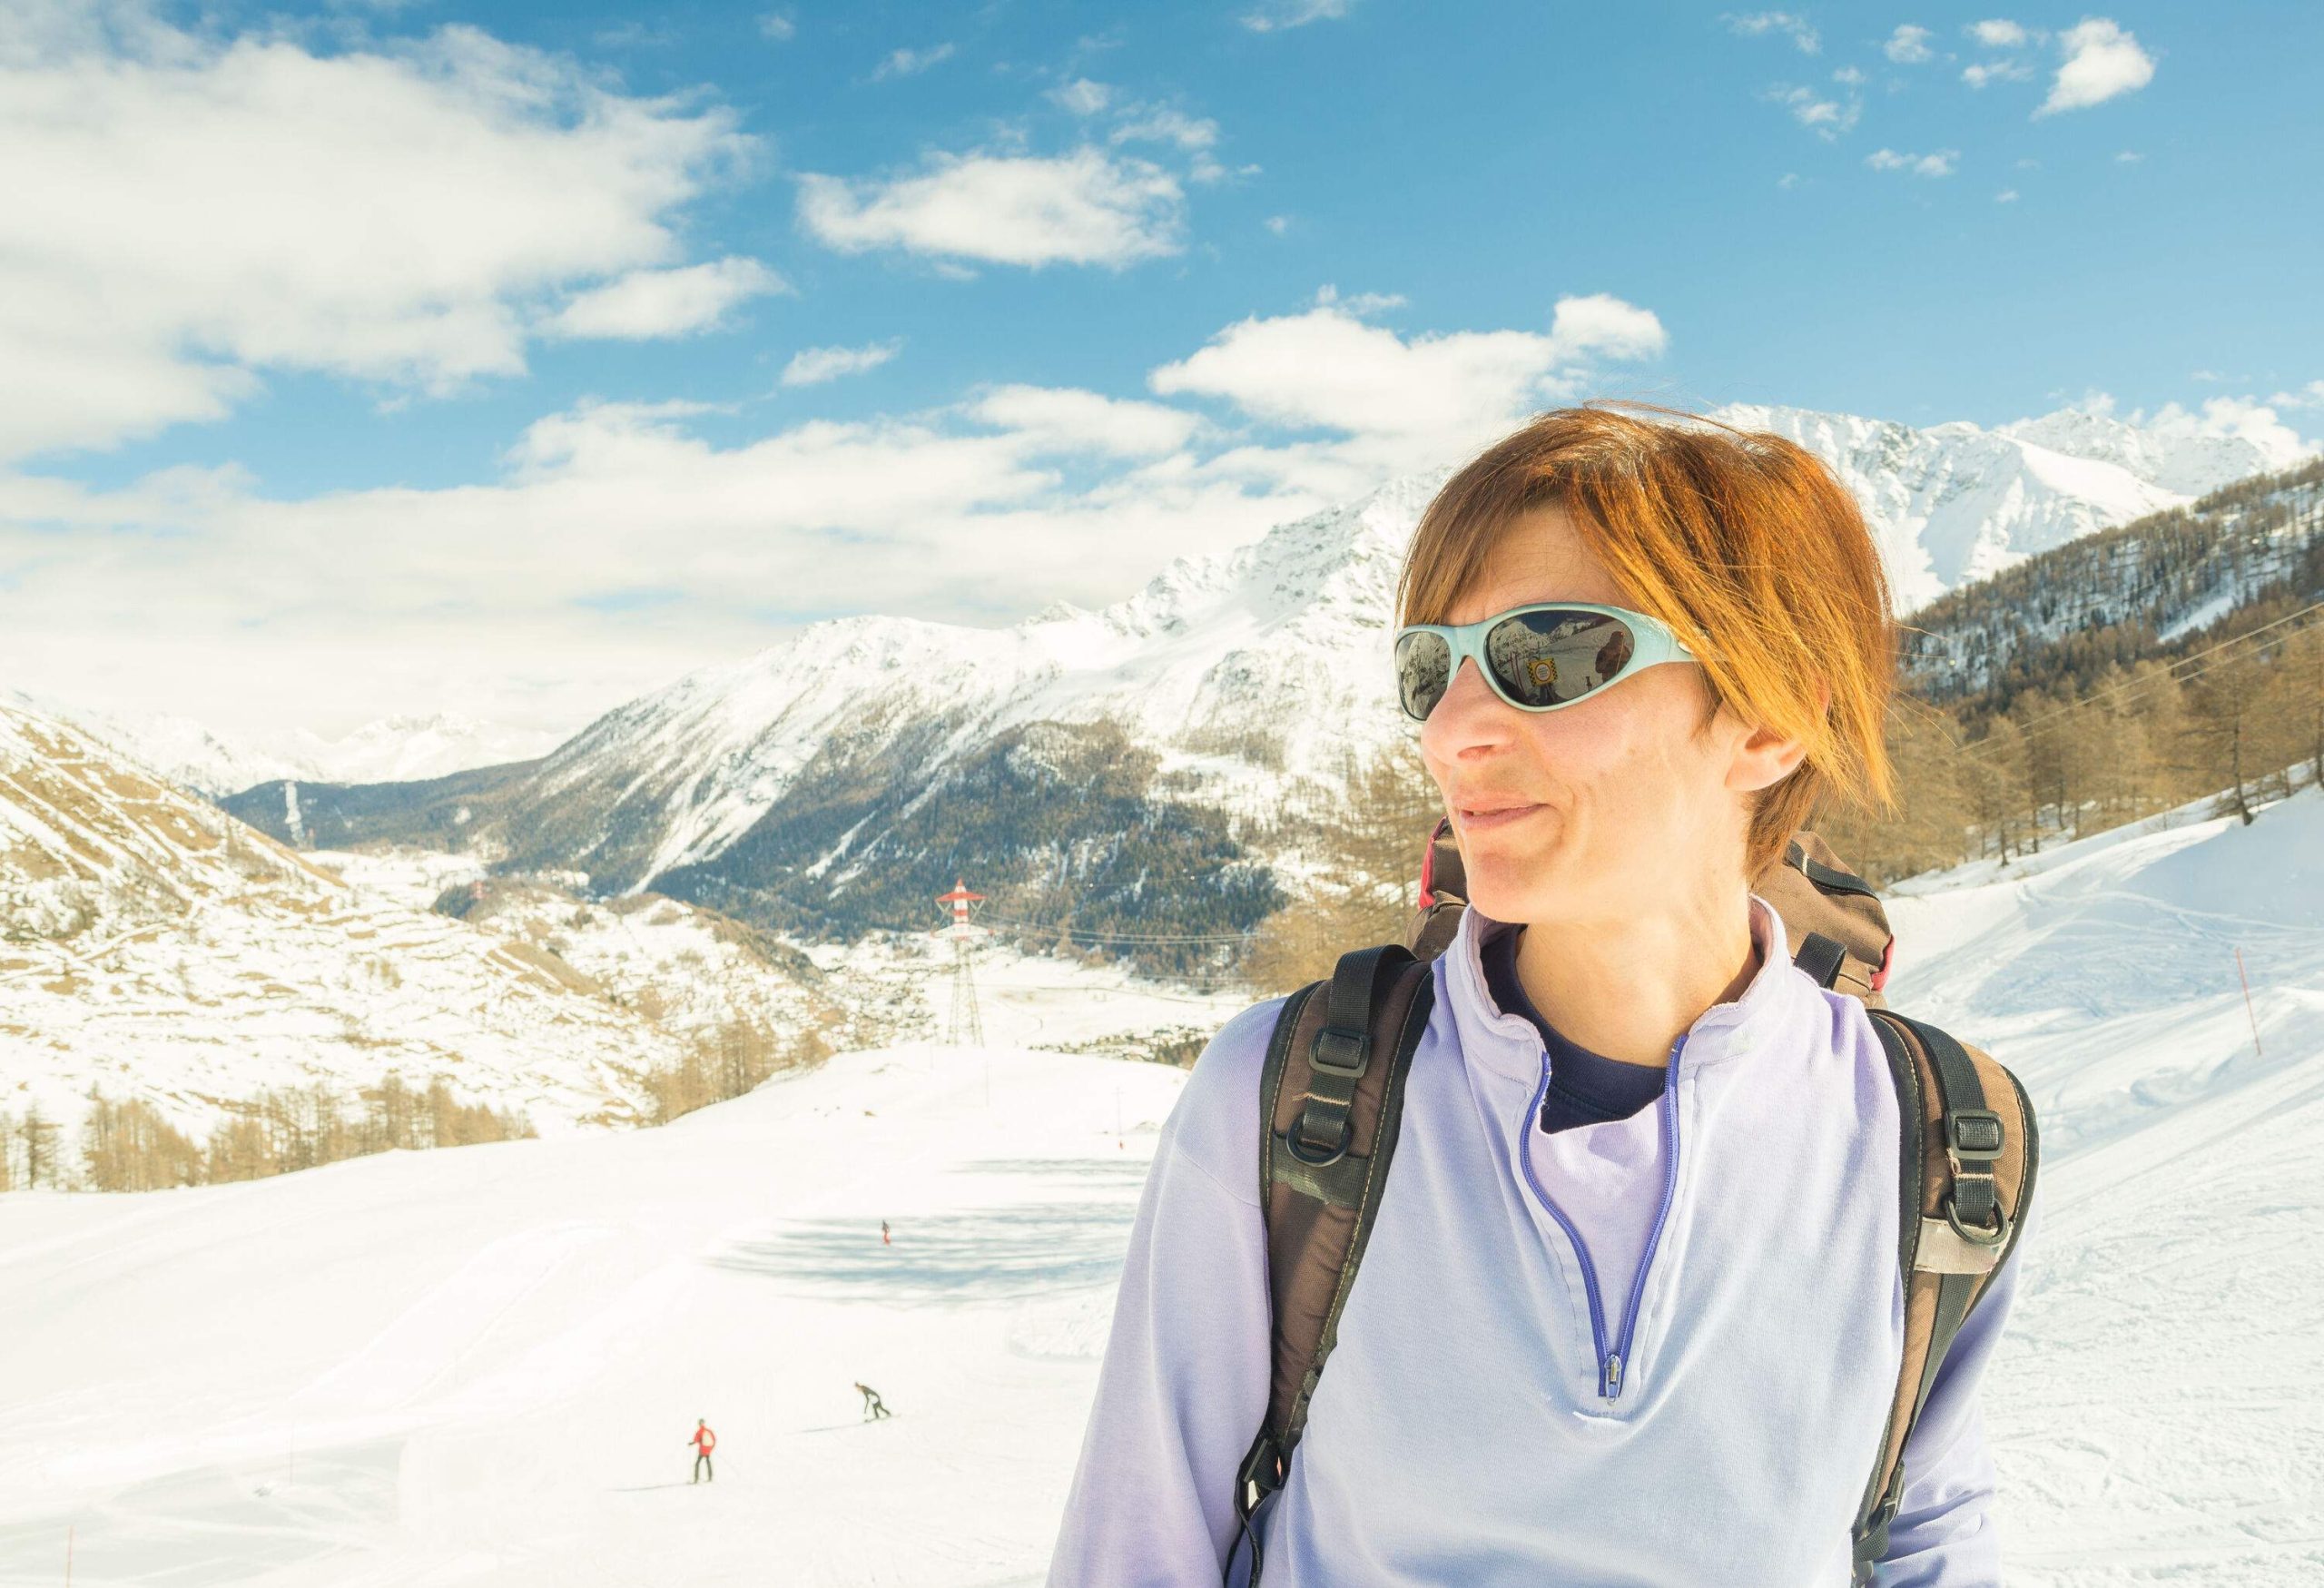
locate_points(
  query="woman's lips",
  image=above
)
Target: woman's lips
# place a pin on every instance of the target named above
(1486, 821)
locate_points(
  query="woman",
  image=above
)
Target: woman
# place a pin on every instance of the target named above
(1631, 1313)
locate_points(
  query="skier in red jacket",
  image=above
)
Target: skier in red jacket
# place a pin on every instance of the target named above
(704, 1442)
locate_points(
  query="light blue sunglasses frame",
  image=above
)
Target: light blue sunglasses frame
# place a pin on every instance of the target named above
(1652, 642)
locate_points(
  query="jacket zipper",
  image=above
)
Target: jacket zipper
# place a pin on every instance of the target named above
(1612, 1362)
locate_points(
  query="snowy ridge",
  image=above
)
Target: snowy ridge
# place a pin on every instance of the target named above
(2167, 577)
(1283, 634)
(393, 749)
(154, 945)
(2176, 450)
(1953, 503)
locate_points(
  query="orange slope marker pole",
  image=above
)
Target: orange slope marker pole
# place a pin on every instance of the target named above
(2247, 1000)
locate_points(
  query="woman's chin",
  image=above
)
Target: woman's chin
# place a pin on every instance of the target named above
(1507, 886)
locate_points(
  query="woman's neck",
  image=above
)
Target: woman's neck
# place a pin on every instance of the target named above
(1628, 989)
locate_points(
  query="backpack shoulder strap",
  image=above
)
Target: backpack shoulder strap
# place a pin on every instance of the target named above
(1969, 1153)
(1331, 1095)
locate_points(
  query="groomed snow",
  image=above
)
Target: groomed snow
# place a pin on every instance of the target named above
(482, 1365)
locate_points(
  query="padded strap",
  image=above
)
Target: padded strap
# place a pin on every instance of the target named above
(1975, 1139)
(1820, 957)
(1333, 1095)
(1967, 1172)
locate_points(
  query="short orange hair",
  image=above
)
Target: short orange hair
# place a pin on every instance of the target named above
(1742, 541)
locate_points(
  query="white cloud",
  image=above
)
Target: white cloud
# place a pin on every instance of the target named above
(1194, 137)
(2128, 157)
(1789, 24)
(646, 304)
(779, 27)
(2246, 417)
(1063, 419)
(909, 63)
(1998, 33)
(2242, 417)
(1908, 45)
(813, 366)
(2007, 195)
(1853, 76)
(1977, 73)
(1160, 126)
(1083, 208)
(2103, 61)
(1278, 224)
(187, 211)
(1277, 15)
(198, 590)
(1359, 303)
(1082, 96)
(192, 590)
(1939, 164)
(1827, 118)
(2309, 395)
(1406, 402)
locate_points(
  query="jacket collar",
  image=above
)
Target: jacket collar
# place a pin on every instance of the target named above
(1508, 1044)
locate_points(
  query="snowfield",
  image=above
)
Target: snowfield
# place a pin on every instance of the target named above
(482, 1365)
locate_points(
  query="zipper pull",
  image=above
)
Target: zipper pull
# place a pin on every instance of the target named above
(1610, 1379)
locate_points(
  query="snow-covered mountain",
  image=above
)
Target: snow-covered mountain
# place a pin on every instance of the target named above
(2115, 594)
(1954, 503)
(834, 781)
(152, 944)
(400, 749)
(2176, 451)
(395, 749)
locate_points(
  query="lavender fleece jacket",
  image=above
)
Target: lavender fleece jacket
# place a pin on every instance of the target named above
(1460, 1434)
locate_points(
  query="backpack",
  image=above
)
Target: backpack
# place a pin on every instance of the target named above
(1332, 1093)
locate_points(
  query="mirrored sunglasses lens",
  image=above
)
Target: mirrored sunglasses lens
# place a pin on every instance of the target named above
(1548, 658)
(1424, 671)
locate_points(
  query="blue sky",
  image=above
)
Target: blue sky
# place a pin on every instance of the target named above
(401, 357)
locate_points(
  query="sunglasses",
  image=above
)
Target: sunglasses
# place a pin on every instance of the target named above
(1537, 658)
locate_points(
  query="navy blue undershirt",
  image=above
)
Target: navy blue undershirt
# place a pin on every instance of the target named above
(1585, 1088)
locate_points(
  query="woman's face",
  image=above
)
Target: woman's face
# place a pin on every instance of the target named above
(1588, 811)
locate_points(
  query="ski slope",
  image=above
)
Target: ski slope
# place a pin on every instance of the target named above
(481, 1366)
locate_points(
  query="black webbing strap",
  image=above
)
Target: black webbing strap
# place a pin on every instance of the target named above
(1820, 957)
(1342, 1052)
(1973, 1139)
(1829, 878)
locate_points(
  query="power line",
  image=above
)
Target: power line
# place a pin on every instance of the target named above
(2171, 669)
(1979, 750)
(1080, 934)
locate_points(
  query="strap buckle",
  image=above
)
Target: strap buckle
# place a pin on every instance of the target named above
(1260, 1474)
(1340, 1052)
(1314, 1154)
(1973, 1136)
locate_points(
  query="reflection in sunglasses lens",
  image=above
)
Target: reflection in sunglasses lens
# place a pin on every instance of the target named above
(1548, 658)
(1424, 672)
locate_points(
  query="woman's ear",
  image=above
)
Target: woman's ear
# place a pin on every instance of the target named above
(1764, 758)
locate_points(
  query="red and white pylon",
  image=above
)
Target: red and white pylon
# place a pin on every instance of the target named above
(964, 1028)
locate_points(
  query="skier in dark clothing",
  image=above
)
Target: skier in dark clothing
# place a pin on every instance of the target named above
(704, 1442)
(874, 1408)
